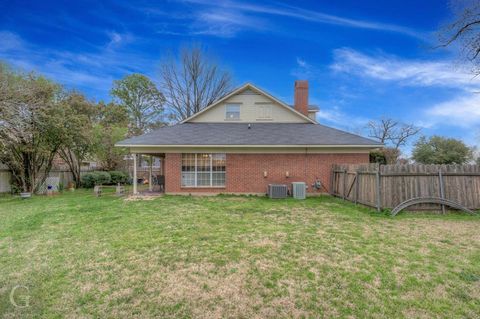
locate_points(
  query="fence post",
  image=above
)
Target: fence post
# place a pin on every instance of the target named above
(357, 177)
(135, 180)
(379, 201)
(344, 184)
(442, 191)
(332, 179)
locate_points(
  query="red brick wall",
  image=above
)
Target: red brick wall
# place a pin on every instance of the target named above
(245, 172)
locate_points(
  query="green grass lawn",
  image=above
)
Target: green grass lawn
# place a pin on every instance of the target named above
(227, 256)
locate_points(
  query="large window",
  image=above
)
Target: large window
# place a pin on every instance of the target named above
(203, 170)
(232, 112)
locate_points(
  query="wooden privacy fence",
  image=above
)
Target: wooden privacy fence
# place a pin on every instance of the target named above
(386, 186)
(5, 177)
(64, 176)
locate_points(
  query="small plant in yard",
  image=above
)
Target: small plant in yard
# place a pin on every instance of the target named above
(118, 177)
(103, 178)
(15, 189)
(89, 180)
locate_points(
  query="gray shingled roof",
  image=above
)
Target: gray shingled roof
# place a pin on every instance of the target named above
(310, 107)
(240, 134)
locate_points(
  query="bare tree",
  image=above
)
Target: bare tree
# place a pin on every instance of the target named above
(464, 31)
(393, 134)
(192, 81)
(401, 135)
(389, 131)
(382, 130)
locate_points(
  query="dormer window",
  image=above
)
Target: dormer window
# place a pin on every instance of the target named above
(232, 112)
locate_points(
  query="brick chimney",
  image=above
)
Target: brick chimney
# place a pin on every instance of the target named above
(301, 97)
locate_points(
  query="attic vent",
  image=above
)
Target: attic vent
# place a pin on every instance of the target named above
(249, 92)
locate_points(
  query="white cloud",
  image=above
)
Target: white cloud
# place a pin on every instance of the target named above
(463, 111)
(336, 117)
(117, 39)
(10, 41)
(311, 16)
(90, 70)
(319, 17)
(224, 22)
(303, 69)
(209, 20)
(405, 71)
(302, 63)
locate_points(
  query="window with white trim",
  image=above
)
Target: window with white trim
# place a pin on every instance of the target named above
(232, 112)
(203, 170)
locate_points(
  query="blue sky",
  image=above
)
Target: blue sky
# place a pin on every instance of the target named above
(364, 59)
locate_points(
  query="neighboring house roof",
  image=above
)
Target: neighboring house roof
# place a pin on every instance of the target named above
(253, 88)
(239, 134)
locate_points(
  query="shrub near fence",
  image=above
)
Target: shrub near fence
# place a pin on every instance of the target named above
(386, 186)
(91, 179)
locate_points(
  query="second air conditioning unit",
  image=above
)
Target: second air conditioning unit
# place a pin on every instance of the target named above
(299, 190)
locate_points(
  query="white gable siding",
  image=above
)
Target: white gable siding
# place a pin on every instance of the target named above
(254, 107)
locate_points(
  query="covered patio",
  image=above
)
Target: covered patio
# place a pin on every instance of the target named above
(156, 180)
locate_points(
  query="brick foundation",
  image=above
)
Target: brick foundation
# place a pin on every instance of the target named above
(245, 172)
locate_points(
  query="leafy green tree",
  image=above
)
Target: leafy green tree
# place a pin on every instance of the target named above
(387, 155)
(142, 99)
(78, 133)
(441, 150)
(31, 126)
(111, 114)
(109, 128)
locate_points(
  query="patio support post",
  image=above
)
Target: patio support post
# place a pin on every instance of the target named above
(150, 175)
(135, 174)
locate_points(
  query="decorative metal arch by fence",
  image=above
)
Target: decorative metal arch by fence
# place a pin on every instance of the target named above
(387, 186)
(429, 200)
